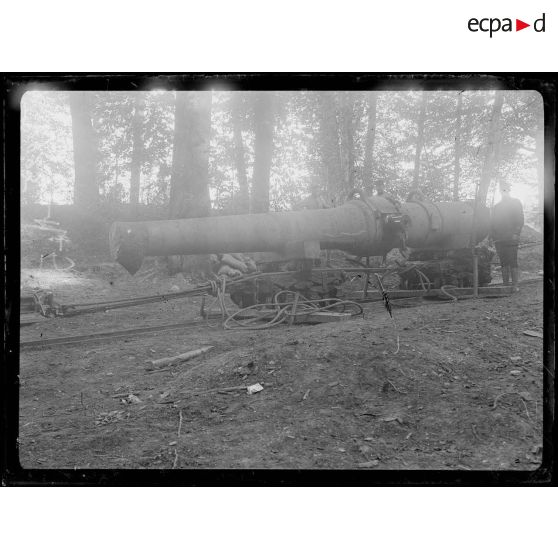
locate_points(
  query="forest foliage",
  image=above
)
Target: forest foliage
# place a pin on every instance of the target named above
(232, 152)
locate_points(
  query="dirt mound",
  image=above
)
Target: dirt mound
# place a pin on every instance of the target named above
(463, 391)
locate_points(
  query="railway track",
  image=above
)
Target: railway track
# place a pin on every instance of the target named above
(405, 299)
(105, 335)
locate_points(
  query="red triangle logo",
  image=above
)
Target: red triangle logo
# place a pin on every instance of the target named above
(519, 25)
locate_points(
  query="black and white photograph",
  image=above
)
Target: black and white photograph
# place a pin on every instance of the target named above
(279, 278)
(227, 277)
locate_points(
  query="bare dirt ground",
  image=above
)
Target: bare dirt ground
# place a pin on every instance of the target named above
(463, 392)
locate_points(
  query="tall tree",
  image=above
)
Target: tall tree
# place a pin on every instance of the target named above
(86, 189)
(237, 114)
(189, 194)
(331, 164)
(137, 148)
(456, 165)
(310, 146)
(347, 141)
(420, 140)
(350, 133)
(492, 149)
(539, 151)
(47, 160)
(263, 151)
(370, 140)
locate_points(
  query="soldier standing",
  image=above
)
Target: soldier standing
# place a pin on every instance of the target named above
(507, 222)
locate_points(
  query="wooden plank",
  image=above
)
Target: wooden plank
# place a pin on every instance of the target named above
(162, 362)
(323, 317)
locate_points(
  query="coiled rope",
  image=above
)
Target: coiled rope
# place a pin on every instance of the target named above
(276, 313)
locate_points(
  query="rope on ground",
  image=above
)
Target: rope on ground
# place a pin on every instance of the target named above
(276, 313)
(443, 290)
(425, 282)
(217, 289)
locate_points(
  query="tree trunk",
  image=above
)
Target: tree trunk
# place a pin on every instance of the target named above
(331, 175)
(370, 139)
(348, 109)
(456, 164)
(539, 150)
(137, 150)
(420, 140)
(189, 191)
(242, 204)
(492, 149)
(86, 188)
(263, 151)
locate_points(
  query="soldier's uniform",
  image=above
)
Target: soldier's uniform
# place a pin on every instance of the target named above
(507, 222)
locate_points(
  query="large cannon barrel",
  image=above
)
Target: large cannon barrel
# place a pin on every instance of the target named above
(364, 227)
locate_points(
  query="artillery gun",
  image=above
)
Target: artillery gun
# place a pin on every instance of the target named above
(366, 226)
